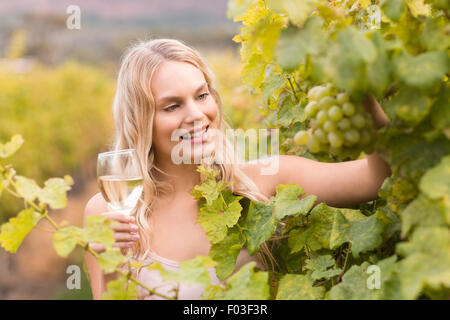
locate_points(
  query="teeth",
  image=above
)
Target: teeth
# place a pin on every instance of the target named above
(195, 135)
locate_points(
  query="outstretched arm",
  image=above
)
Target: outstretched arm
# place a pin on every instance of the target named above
(340, 184)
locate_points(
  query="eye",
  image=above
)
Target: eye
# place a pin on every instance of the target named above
(203, 96)
(171, 108)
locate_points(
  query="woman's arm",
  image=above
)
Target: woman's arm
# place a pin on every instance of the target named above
(340, 184)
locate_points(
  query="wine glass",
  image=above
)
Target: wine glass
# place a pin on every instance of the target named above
(119, 179)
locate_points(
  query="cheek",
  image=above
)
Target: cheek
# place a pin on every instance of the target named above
(163, 126)
(212, 111)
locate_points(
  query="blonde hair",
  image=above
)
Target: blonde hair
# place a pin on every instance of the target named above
(134, 109)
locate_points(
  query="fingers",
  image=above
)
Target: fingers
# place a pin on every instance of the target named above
(97, 247)
(125, 227)
(123, 245)
(125, 237)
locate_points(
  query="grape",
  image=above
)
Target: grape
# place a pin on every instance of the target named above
(313, 144)
(312, 92)
(335, 138)
(344, 124)
(320, 93)
(365, 137)
(301, 137)
(322, 116)
(329, 126)
(321, 136)
(352, 136)
(336, 125)
(348, 108)
(342, 98)
(335, 113)
(326, 102)
(358, 121)
(311, 109)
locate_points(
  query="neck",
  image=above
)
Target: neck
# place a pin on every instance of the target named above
(182, 177)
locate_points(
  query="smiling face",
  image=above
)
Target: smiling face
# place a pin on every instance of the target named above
(183, 105)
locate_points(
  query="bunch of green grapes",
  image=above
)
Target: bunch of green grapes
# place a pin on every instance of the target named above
(335, 124)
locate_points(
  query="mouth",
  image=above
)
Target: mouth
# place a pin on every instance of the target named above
(197, 136)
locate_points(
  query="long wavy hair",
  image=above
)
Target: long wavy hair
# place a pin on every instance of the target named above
(134, 109)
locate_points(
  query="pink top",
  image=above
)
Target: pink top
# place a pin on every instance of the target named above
(153, 280)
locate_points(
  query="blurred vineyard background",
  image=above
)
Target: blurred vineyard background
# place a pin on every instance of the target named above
(56, 89)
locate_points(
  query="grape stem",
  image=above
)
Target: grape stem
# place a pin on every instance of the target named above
(293, 89)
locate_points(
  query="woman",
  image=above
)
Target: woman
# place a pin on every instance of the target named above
(164, 87)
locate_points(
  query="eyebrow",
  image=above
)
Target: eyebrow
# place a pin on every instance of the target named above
(168, 98)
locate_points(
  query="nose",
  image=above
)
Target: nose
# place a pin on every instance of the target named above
(194, 112)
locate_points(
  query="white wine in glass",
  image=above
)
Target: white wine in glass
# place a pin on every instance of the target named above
(119, 179)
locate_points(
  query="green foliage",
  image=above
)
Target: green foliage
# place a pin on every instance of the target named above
(402, 60)
(121, 289)
(17, 228)
(63, 114)
(298, 287)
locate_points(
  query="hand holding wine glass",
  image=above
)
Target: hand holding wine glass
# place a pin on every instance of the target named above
(120, 183)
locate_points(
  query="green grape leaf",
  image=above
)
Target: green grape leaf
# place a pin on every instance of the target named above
(255, 11)
(271, 84)
(222, 214)
(191, 272)
(411, 105)
(247, 284)
(207, 190)
(393, 9)
(263, 38)
(294, 45)
(364, 235)
(253, 71)
(298, 287)
(27, 188)
(226, 252)
(418, 8)
(440, 112)
(259, 225)
(423, 212)
(289, 111)
(320, 264)
(9, 148)
(426, 261)
(121, 289)
(17, 228)
(65, 239)
(435, 183)
(434, 35)
(54, 193)
(110, 259)
(296, 10)
(360, 46)
(404, 152)
(423, 70)
(379, 71)
(287, 201)
(355, 282)
(208, 172)
(98, 229)
(317, 234)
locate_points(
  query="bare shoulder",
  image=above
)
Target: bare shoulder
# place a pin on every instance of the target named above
(95, 205)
